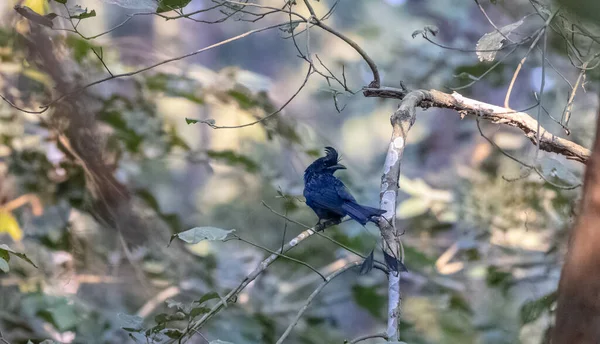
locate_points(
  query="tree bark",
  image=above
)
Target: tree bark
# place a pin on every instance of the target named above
(578, 310)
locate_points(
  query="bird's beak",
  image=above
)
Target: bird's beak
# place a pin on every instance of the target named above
(337, 167)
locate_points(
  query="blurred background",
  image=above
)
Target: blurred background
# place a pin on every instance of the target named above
(483, 243)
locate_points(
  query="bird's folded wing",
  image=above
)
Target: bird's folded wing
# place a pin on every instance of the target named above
(328, 198)
(343, 192)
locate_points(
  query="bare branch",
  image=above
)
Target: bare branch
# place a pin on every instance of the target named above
(496, 114)
(376, 78)
(230, 297)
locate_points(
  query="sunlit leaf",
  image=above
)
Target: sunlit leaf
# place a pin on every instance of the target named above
(197, 234)
(9, 225)
(208, 296)
(489, 44)
(38, 6)
(232, 158)
(4, 265)
(413, 207)
(218, 341)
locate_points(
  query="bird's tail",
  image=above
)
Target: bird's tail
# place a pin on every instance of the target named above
(360, 213)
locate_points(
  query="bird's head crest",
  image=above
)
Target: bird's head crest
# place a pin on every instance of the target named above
(327, 164)
(331, 155)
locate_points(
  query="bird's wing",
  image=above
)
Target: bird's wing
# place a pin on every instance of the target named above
(343, 192)
(327, 198)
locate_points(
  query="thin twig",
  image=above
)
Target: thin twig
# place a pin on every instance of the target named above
(279, 254)
(369, 336)
(312, 296)
(230, 297)
(522, 62)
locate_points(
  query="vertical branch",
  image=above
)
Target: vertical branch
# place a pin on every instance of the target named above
(402, 120)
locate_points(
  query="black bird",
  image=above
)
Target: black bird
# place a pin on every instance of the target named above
(328, 196)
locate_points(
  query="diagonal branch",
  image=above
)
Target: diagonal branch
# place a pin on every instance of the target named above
(231, 296)
(496, 114)
(316, 292)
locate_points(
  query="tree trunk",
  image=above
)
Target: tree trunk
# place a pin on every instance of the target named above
(578, 311)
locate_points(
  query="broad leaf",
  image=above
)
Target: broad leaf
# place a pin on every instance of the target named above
(489, 44)
(4, 265)
(9, 225)
(7, 249)
(130, 322)
(84, 15)
(208, 296)
(413, 207)
(169, 5)
(197, 234)
(532, 310)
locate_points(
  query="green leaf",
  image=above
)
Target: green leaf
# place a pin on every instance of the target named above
(209, 121)
(489, 44)
(198, 311)
(458, 302)
(130, 323)
(173, 333)
(84, 15)
(208, 296)
(4, 265)
(369, 299)
(413, 207)
(232, 158)
(7, 249)
(63, 316)
(533, 309)
(161, 318)
(5, 255)
(169, 5)
(497, 278)
(61, 1)
(243, 99)
(81, 47)
(197, 234)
